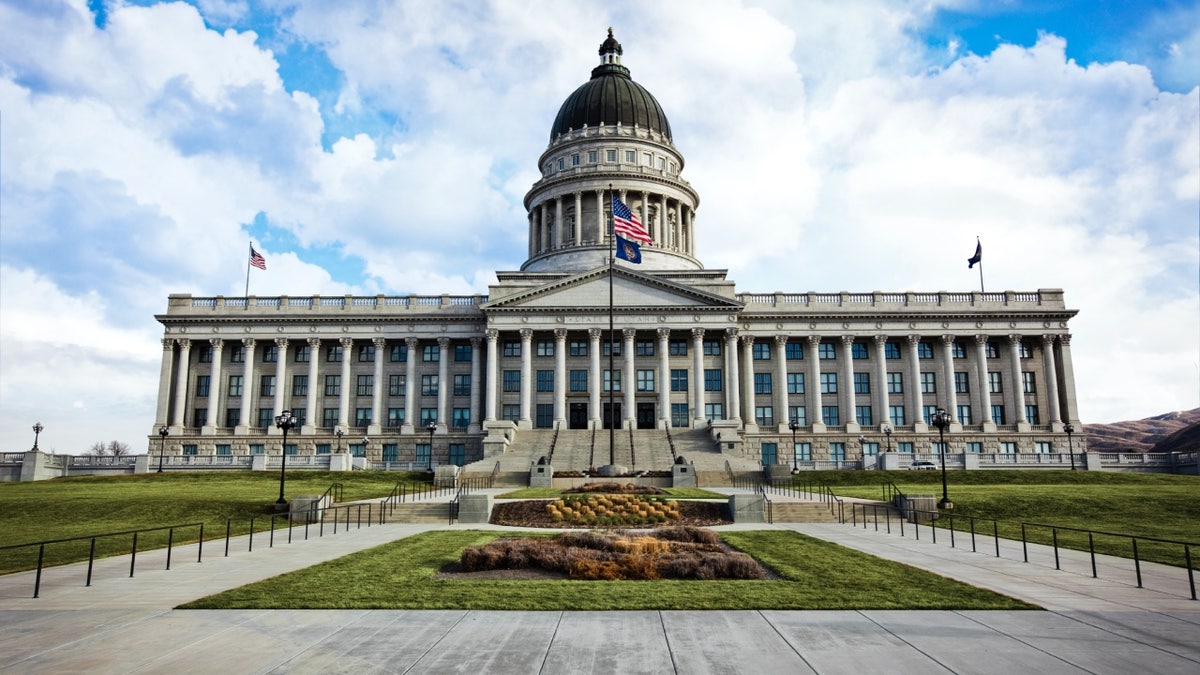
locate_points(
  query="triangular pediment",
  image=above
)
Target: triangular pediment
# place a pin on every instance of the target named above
(631, 290)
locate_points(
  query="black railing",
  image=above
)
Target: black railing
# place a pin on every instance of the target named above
(671, 445)
(492, 478)
(891, 491)
(632, 456)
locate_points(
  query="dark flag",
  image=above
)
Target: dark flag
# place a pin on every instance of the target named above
(978, 257)
(627, 250)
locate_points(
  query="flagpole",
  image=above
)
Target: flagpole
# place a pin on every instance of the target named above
(248, 256)
(981, 290)
(612, 418)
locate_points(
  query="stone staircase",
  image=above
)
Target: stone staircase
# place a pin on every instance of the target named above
(801, 512)
(424, 512)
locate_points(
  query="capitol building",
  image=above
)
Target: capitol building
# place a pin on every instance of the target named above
(691, 363)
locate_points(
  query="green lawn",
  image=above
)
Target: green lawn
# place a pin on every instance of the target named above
(815, 575)
(554, 493)
(87, 505)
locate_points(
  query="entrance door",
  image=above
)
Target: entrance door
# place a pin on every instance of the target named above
(645, 416)
(578, 416)
(610, 412)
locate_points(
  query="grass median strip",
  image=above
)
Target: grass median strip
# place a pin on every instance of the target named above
(814, 575)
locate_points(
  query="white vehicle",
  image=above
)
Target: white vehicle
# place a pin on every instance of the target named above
(922, 464)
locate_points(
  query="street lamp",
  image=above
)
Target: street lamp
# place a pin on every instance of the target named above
(794, 425)
(431, 427)
(163, 431)
(941, 420)
(37, 430)
(887, 431)
(1070, 429)
(284, 421)
(338, 431)
(862, 447)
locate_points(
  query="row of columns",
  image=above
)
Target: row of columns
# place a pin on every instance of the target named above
(546, 219)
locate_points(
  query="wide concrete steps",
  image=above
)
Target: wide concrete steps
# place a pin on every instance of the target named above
(801, 512)
(428, 512)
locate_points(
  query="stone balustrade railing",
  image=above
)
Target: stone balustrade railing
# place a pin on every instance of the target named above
(1043, 298)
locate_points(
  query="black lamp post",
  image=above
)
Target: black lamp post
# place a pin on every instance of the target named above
(431, 427)
(941, 420)
(887, 431)
(37, 430)
(338, 431)
(163, 432)
(794, 425)
(284, 421)
(1070, 429)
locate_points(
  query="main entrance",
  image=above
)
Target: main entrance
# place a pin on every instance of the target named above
(611, 411)
(577, 417)
(645, 416)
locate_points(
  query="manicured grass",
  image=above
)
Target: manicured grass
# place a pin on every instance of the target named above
(88, 505)
(815, 575)
(553, 493)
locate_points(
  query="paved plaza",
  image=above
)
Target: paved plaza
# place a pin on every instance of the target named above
(123, 625)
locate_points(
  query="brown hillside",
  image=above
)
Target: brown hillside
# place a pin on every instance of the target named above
(1172, 432)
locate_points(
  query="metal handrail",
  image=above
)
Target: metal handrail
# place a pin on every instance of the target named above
(891, 491)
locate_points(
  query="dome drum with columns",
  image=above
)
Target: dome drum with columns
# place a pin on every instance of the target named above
(697, 367)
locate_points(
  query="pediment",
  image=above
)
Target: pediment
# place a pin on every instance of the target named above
(630, 290)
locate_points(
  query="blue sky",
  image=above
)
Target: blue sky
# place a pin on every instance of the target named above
(378, 146)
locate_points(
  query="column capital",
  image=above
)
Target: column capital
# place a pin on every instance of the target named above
(169, 344)
(947, 339)
(781, 340)
(595, 333)
(663, 333)
(1065, 339)
(217, 344)
(847, 340)
(1015, 338)
(629, 333)
(526, 334)
(914, 340)
(491, 335)
(731, 333)
(411, 343)
(981, 339)
(185, 343)
(282, 343)
(443, 342)
(880, 340)
(698, 333)
(315, 343)
(560, 335)
(1048, 339)
(248, 343)
(475, 342)
(346, 343)
(379, 343)
(814, 341)
(747, 340)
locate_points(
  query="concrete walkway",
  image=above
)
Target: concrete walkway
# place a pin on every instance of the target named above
(123, 625)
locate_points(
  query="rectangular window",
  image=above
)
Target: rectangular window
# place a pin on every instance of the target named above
(199, 417)
(575, 160)
(562, 164)
(461, 418)
(679, 379)
(610, 156)
(957, 351)
(714, 411)
(798, 414)
(391, 452)
(578, 380)
(1042, 447)
(974, 447)
(578, 348)
(202, 386)
(270, 354)
(543, 415)
(826, 352)
(462, 385)
(837, 452)
(998, 414)
(993, 352)
(366, 353)
(610, 348)
(1028, 383)
(905, 447)
(190, 449)
(1031, 414)
(896, 415)
(512, 348)
(645, 380)
(924, 351)
(830, 416)
(891, 350)
(302, 354)
(644, 348)
(712, 347)
(895, 383)
(395, 417)
(795, 383)
(677, 348)
(510, 412)
(1024, 351)
(938, 448)
(764, 415)
(679, 415)
(964, 414)
(458, 454)
(429, 385)
(333, 385)
(265, 417)
(398, 353)
(545, 380)
(1008, 447)
(794, 351)
(428, 415)
(257, 449)
(333, 354)
(462, 353)
(396, 385)
(511, 380)
(365, 386)
(204, 354)
(870, 449)
(928, 383)
(266, 385)
(593, 156)
(712, 379)
(424, 452)
(994, 383)
(928, 411)
(630, 157)
(862, 383)
(962, 383)
(761, 351)
(803, 452)
(362, 417)
(431, 353)
(647, 159)
(232, 416)
(329, 417)
(545, 348)
(300, 415)
(762, 383)
(299, 385)
(235, 385)
(237, 354)
(829, 383)
(224, 449)
(612, 380)
(858, 351)
(862, 415)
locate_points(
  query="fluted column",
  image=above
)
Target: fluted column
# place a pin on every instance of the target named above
(951, 393)
(601, 228)
(181, 378)
(697, 385)
(849, 415)
(595, 379)
(781, 389)
(1051, 382)
(378, 386)
(526, 420)
(164, 384)
(443, 390)
(1067, 366)
(813, 386)
(663, 223)
(473, 423)
(216, 393)
(882, 396)
(664, 376)
(281, 350)
(629, 386)
(916, 409)
(984, 398)
(248, 375)
(578, 224)
(410, 386)
(1016, 397)
(734, 398)
(750, 421)
(530, 245)
(492, 337)
(314, 387)
(560, 377)
(558, 222)
(344, 400)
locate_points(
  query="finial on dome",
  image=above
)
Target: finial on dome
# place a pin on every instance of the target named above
(610, 49)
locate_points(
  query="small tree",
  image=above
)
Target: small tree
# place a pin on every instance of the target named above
(117, 449)
(97, 449)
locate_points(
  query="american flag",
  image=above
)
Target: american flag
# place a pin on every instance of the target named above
(626, 224)
(257, 259)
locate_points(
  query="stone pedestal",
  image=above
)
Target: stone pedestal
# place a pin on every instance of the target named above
(475, 508)
(258, 462)
(541, 475)
(778, 473)
(341, 461)
(683, 474)
(889, 461)
(307, 508)
(749, 508)
(446, 476)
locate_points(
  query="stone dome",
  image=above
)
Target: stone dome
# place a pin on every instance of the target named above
(610, 97)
